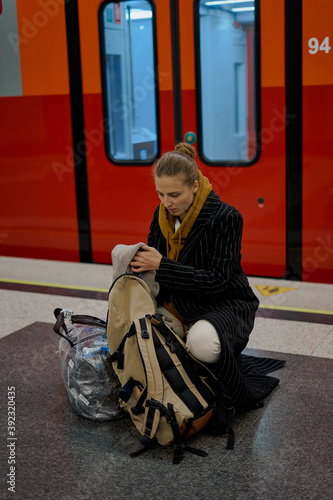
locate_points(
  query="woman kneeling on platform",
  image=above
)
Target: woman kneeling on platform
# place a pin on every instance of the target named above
(194, 245)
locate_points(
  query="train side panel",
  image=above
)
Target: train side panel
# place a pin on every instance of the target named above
(38, 200)
(317, 141)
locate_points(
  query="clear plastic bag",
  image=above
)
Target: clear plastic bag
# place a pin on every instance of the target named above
(86, 367)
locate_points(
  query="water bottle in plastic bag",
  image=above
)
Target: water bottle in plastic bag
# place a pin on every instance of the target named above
(86, 367)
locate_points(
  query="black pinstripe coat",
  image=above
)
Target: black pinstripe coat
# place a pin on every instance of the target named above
(208, 282)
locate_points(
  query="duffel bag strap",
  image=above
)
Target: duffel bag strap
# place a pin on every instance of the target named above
(60, 327)
(82, 319)
(61, 315)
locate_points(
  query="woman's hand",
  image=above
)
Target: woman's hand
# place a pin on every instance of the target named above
(146, 259)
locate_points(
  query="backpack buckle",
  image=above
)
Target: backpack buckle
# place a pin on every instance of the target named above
(145, 334)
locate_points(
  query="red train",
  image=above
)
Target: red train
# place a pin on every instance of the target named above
(92, 93)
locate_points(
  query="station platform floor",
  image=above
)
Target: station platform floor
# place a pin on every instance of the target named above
(282, 451)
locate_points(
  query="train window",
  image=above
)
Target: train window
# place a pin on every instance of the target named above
(227, 81)
(127, 35)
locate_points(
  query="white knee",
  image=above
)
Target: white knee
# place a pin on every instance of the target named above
(203, 342)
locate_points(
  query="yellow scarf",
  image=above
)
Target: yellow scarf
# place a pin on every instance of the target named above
(176, 240)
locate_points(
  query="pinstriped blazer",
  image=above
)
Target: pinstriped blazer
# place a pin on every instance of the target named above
(207, 281)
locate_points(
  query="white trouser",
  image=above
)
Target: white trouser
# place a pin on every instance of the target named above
(202, 340)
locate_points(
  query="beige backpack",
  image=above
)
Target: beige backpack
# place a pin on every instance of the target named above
(168, 393)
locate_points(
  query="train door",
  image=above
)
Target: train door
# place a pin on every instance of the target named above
(233, 101)
(128, 112)
(317, 115)
(38, 213)
(185, 70)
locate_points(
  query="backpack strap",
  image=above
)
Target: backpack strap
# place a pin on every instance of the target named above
(154, 409)
(153, 413)
(223, 413)
(175, 378)
(154, 379)
(224, 417)
(118, 355)
(154, 361)
(126, 391)
(188, 364)
(178, 446)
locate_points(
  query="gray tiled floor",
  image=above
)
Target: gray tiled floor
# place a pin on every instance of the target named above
(283, 451)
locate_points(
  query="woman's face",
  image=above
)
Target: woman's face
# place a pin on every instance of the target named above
(176, 196)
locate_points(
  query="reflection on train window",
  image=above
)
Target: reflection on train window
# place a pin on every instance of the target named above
(227, 80)
(130, 84)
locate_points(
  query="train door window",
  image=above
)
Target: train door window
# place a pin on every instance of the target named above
(127, 35)
(227, 81)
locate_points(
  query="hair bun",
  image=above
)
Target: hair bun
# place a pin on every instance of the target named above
(184, 147)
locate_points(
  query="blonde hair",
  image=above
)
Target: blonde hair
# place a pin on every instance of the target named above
(180, 161)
